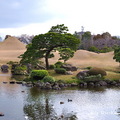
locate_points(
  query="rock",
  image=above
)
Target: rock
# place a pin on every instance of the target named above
(82, 74)
(48, 86)
(91, 84)
(113, 83)
(5, 82)
(73, 68)
(107, 81)
(69, 73)
(56, 87)
(97, 85)
(37, 84)
(117, 84)
(29, 85)
(12, 82)
(68, 85)
(24, 83)
(102, 83)
(1, 114)
(4, 68)
(118, 81)
(74, 84)
(7, 36)
(18, 82)
(83, 84)
(40, 67)
(69, 67)
(65, 85)
(61, 85)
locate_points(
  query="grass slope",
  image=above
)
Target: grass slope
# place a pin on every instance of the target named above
(10, 49)
(83, 58)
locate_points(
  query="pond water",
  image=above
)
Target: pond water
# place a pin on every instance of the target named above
(35, 104)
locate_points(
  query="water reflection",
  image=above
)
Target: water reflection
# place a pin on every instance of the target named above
(39, 106)
(101, 89)
(18, 77)
(39, 111)
(35, 104)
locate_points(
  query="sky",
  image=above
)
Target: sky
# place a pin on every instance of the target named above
(34, 17)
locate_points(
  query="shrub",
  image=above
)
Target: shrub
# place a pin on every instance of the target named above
(58, 64)
(12, 62)
(38, 74)
(60, 70)
(48, 79)
(89, 67)
(97, 71)
(19, 70)
(51, 66)
(93, 78)
(93, 49)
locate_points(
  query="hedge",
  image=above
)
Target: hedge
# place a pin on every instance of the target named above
(60, 70)
(38, 74)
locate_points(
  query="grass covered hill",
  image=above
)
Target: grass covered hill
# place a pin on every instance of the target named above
(12, 43)
(10, 49)
(84, 58)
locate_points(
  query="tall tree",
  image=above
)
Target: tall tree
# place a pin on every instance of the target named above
(43, 45)
(117, 54)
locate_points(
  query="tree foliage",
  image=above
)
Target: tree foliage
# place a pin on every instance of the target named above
(76, 35)
(43, 45)
(65, 54)
(117, 54)
(59, 29)
(86, 35)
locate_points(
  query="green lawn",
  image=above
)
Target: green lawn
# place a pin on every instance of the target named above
(112, 75)
(65, 78)
(72, 78)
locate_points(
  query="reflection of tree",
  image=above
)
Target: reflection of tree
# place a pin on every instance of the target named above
(118, 111)
(70, 116)
(18, 77)
(94, 89)
(39, 107)
(37, 111)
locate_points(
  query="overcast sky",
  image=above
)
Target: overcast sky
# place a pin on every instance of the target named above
(37, 16)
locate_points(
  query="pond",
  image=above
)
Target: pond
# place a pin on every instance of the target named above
(19, 102)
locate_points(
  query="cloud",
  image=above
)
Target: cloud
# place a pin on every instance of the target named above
(16, 13)
(37, 16)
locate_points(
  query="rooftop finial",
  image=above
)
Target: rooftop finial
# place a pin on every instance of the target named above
(82, 28)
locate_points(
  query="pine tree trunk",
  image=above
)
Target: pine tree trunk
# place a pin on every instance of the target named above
(47, 63)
